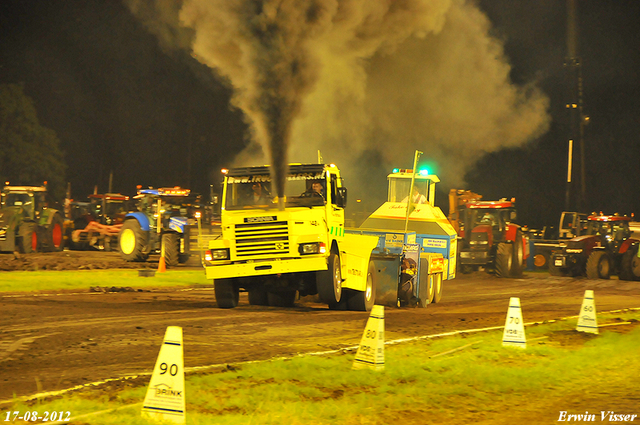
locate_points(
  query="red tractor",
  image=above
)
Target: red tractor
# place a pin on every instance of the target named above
(490, 238)
(606, 249)
(96, 224)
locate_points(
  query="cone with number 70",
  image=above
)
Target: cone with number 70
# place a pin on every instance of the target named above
(513, 335)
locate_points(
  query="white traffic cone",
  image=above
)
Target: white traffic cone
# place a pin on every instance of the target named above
(513, 334)
(587, 320)
(370, 353)
(165, 398)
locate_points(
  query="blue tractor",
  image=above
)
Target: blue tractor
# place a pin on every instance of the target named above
(159, 223)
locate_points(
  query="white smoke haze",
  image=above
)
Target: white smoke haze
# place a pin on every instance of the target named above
(366, 82)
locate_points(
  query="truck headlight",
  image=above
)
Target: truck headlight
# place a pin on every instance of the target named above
(216, 254)
(312, 248)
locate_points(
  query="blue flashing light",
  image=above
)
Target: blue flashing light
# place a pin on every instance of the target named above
(396, 170)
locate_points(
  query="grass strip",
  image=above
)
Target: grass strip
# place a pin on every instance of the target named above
(30, 281)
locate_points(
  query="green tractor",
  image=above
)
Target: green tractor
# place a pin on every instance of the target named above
(27, 224)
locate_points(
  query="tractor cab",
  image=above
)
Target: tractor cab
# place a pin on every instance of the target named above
(486, 221)
(29, 200)
(613, 230)
(109, 208)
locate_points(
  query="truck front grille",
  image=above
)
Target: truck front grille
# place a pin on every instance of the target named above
(259, 239)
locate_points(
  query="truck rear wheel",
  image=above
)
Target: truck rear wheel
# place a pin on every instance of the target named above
(170, 242)
(258, 296)
(598, 265)
(55, 233)
(364, 300)
(504, 259)
(281, 299)
(227, 293)
(329, 282)
(28, 238)
(437, 288)
(630, 266)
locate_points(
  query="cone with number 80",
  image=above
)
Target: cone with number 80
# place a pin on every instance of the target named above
(370, 353)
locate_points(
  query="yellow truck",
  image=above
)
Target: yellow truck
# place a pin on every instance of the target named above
(275, 248)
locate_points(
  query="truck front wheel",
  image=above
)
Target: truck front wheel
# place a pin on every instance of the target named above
(329, 282)
(364, 300)
(227, 293)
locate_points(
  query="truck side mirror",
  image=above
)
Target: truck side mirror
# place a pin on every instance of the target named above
(341, 198)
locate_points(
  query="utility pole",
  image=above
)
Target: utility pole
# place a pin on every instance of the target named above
(575, 114)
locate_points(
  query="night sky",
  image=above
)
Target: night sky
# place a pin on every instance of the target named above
(121, 103)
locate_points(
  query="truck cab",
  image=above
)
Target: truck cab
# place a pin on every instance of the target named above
(274, 247)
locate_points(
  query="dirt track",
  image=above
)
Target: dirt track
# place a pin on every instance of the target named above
(56, 341)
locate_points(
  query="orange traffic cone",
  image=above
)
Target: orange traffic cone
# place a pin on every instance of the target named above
(162, 267)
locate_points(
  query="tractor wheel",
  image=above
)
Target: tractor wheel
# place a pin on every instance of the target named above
(281, 299)
(329, 282)
(227, 293)
(171, 241)
(437, 288)
(131, 241)
(598, 265)
(28, 236)
(517, 264)
(364, 300)
(55, 233)
(258, 296)
(630, 266)
(504, 259)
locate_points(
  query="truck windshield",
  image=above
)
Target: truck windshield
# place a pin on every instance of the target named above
(257, 192)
